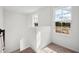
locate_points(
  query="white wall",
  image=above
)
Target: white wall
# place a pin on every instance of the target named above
(32, 37)
(70, 41)
(1, 17)
(44, 39)
(44, 22)
(44, 17)
(15, 30)
(1, 25)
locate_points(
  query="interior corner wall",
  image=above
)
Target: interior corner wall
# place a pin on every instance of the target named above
(44, 16)
(15, 29)
(44, 22)
(70, 41)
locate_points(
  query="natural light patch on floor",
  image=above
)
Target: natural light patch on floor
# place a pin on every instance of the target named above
(46, 50)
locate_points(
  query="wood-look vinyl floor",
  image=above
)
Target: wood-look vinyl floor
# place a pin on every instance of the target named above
(60, 49)
(28, 50)
(52, 46)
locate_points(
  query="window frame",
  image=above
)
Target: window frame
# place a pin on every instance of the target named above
(70, 20)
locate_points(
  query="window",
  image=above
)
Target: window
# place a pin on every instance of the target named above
(63, 20)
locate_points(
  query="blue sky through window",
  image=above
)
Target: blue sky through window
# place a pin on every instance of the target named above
(63, 14)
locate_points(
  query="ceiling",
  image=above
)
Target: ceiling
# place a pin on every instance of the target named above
(22, 9)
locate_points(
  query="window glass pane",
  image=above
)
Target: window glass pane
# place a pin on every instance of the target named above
(58, 15)
(63, 14)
